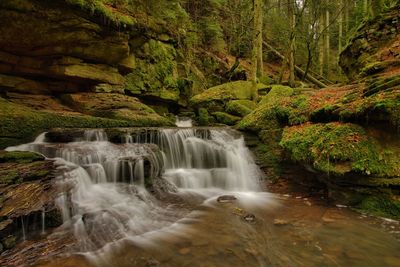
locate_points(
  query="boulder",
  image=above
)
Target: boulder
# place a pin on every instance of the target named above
(216, 97)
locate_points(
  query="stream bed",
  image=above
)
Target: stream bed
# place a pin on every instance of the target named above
(189, 197)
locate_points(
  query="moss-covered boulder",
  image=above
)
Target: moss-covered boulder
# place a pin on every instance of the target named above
(280, 106)
(240, 107)
(338, 148)
(226, 118)
(217, 97)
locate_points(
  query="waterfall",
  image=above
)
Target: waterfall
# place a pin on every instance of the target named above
(109, 200)
(183, 122)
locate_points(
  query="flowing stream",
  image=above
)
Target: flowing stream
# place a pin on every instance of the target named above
(152, 200)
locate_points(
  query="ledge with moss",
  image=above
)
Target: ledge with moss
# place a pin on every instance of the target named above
(20, 123)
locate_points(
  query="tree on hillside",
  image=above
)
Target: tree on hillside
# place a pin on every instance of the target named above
(257, 62)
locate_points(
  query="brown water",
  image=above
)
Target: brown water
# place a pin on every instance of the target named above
(287, 232)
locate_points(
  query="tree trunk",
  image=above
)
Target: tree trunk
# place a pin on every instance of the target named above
(297, 69)
(321, 24)
(256, 46)
(340, 44)
(260, 63)
(292, 18)
(327, 44)
(366, 9)
(376, 7)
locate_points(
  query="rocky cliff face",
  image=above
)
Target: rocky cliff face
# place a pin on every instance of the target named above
(51, 48)
(63, 64)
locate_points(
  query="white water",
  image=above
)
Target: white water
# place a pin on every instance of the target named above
(109, 201)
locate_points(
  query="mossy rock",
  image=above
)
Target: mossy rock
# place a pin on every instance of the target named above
(219, 95)
(240, 107)
(155, 74)
(226, 118)
(203, 117)
(338, 148)
(17, 167)
(281, 106)
(20, 157)
(382, 206)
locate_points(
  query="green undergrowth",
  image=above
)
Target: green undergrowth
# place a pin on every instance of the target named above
(337, 148)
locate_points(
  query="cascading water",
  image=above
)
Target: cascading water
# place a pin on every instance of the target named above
(109, 201)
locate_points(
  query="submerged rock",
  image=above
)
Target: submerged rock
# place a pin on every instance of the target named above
(226, 199)
(249, 218)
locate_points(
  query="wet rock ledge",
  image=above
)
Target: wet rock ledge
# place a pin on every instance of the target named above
(27, 194)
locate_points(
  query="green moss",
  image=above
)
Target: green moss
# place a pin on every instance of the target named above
(338, 149)
(19, 157)
(155, 73)
(203, 118)
(102, 8)
(9, 177)
(269, 153)
(240, 107)
(226, 118)
(380, 206)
